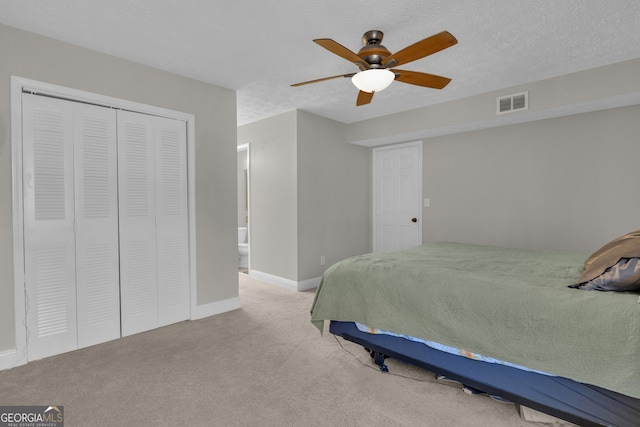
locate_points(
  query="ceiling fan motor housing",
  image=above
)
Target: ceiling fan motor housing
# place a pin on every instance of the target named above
(372, 51)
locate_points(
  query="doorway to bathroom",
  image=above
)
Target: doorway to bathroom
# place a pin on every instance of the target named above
(244, 229)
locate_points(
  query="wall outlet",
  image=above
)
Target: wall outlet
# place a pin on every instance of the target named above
(322, 260)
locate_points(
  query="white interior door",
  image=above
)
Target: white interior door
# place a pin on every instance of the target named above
(172, 233)
(397, 195)
(50, 276)
(71, 225)
(96, 197)
(71, 171)
(136, 183)
(154, 223)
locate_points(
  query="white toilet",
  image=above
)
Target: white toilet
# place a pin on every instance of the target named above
(243, 248)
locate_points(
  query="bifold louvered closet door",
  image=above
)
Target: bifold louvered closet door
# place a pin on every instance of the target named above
(154, 251)
(105, 223)
(70, 225)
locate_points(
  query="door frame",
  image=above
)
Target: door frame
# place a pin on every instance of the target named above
(20, 85)
(247, 148)
(375, 194)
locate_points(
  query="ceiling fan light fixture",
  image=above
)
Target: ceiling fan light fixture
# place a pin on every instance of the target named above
(373, 79)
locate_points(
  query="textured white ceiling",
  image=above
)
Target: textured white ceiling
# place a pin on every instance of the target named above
(260, 47)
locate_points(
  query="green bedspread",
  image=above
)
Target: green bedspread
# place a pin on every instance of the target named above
(510, 304)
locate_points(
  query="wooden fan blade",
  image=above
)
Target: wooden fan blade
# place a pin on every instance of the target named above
(364, 98)
(322, 79)
(421, 79)
(420, 49)
(335, 47)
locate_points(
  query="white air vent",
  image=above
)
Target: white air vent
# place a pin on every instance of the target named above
(512, 103)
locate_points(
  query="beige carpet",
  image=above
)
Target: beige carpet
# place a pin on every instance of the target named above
(262, 365)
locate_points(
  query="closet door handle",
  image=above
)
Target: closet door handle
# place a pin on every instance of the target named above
(414, 219)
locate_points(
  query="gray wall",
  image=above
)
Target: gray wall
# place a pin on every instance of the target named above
(565, 183)
(557, 176)
(333, 195)
(274, 216)
(309, 195)
(562, 183)
(590, 90)
(31, 56)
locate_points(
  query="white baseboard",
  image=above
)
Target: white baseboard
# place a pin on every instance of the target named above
(285, 283)
(217, 307)
(10, 359)
(305, 285)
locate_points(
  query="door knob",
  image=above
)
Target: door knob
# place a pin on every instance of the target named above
(414, 219)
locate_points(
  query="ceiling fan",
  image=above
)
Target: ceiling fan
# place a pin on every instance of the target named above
(376, 63)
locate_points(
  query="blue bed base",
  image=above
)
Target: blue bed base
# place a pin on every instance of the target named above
(581, 404)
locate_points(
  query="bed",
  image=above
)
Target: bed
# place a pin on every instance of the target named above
(501, 321)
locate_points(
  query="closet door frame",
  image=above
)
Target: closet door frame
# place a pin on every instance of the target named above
(20, 85)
